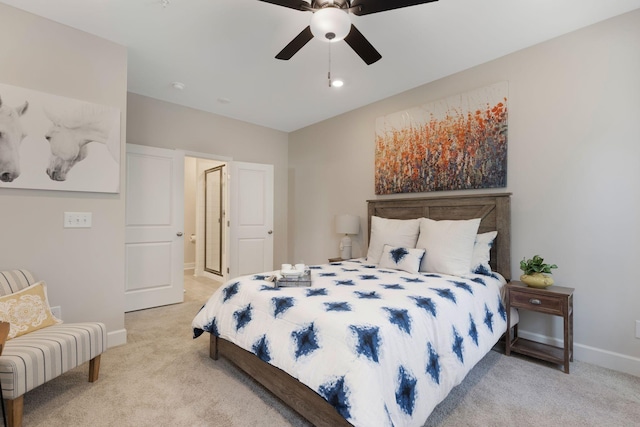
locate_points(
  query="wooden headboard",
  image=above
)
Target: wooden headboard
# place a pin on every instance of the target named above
(493, 209)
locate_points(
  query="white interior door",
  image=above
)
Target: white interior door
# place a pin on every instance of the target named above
(251, 218)
(154, 248)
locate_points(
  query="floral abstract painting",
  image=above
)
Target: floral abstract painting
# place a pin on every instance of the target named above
(456, 143)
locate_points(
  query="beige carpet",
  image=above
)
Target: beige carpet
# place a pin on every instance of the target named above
(163, 377)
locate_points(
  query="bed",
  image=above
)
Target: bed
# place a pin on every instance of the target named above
(383, 363)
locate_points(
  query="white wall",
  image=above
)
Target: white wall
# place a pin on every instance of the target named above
(165, 125)
(83, 268)
(574, 148)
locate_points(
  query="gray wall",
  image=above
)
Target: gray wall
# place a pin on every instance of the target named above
(83, 268)
(165, 125)
(574, 104)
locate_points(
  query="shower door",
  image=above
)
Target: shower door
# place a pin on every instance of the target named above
(213, 219)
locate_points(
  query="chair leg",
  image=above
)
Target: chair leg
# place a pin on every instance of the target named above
(94, 369)
(15, 407)
(14, 411)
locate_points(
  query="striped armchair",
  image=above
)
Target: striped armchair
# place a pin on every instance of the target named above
(30, 360)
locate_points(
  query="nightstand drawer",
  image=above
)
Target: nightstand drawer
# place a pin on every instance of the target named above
(545, 304)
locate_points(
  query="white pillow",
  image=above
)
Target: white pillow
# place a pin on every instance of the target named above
(394, 232)
(405, 259)
(482, 253)
(448, 245)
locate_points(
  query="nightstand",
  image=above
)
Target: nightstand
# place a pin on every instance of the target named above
(554, 300)
(335, 259)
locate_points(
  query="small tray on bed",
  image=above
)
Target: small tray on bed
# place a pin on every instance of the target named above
(291, 281)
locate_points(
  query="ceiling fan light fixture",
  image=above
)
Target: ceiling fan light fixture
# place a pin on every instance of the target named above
(330, 24)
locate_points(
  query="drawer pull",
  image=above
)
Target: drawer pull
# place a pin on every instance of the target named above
(535, 301)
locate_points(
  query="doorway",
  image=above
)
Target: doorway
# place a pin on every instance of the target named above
(205, 218)
(214, 216)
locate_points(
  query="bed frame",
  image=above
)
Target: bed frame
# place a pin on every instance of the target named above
(494, 209)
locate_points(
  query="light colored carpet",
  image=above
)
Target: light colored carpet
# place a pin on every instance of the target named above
(163, 377)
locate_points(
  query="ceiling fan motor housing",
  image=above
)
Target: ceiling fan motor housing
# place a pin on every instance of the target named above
(319, 4)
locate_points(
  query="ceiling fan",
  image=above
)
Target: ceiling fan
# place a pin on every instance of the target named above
(330, 22)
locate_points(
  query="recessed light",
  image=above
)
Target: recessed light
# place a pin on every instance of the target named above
(177, 85)
(337, 83)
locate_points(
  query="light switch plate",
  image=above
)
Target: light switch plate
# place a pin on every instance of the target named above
(77, 220)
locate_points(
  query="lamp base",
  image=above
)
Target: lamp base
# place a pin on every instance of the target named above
(345, 247)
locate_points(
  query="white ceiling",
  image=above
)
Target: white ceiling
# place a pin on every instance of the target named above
(224, 49)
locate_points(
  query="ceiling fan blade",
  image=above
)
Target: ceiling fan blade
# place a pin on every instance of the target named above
(292, 4)
(361, 46)
(295, 45)
(366, 7)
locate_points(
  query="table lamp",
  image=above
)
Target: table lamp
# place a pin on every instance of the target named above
(347, 224)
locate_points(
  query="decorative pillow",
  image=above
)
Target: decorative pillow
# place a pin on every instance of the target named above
(482, 253)
(401, 233)
(449, 245)
(405, 259)
(27, 310)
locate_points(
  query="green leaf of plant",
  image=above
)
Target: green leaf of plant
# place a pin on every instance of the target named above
(536, 265)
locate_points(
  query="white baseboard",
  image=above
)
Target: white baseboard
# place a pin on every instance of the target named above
(116, 338)
(595, 356)
(189, 265)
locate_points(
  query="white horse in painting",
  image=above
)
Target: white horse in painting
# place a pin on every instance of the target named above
(11, 135)
(71, 132)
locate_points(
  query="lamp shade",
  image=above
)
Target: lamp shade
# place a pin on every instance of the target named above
(330, 20)
(347, 224)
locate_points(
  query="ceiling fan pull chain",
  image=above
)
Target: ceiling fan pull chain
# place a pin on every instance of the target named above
(329, 73)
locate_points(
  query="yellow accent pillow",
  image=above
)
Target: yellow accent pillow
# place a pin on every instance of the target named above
(27, 310)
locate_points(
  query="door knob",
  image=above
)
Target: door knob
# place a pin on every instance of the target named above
(179, 234)
(270, 232)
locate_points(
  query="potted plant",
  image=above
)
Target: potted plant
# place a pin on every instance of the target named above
(535, 271)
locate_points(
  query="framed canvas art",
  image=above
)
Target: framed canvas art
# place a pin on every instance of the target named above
(50, 142)
(456, 143)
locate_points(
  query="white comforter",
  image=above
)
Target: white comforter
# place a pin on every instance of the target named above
(384, 347)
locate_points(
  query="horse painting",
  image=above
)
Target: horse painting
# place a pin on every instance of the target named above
(70, 134)
(11, 135)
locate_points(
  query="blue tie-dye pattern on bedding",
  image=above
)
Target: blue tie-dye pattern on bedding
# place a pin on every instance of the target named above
(281, 304)
(406, 391)
(261, 349)
(400, 318)
(398, 254)
(337, 394)
(473, 331)
(382, 315)
(368, 341)
(305, 341)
